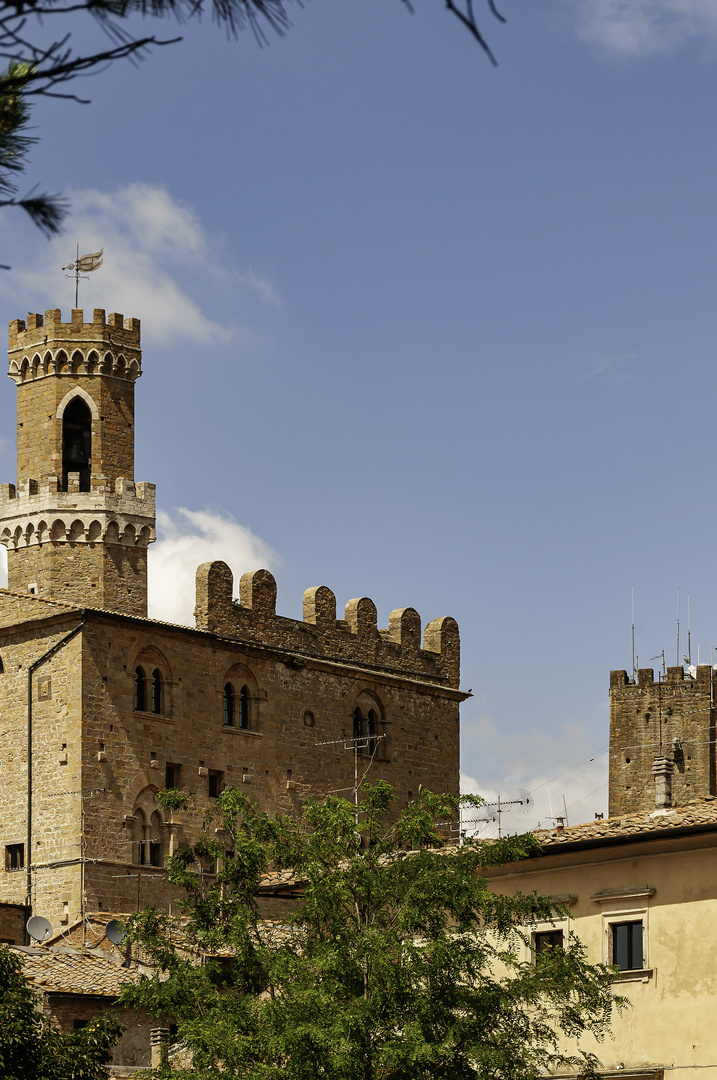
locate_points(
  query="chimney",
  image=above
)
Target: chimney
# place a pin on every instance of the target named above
(662, 770)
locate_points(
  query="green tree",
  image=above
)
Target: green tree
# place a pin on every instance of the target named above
(32, 1048)
(399, 963)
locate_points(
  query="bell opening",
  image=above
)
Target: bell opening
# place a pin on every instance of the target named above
(77, 443)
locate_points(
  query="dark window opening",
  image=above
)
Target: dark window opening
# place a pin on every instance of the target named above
(77, 1024)
(244, 707)
(228, 705)
(215, 784)
(627, 945)
(546, 940)
(155, 853)
(77, 443)
(140, 698)
(14, 856)
(156, 691)
(365, 731)
(173, 776)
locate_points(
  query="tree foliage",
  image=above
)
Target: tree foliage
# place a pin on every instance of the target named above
(32, 1048)
(399, 963)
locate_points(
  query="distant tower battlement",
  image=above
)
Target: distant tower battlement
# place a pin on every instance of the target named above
(77, 526)
(651, 722)
(355, 639)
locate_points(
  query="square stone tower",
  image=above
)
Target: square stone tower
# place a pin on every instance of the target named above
(662, 739)
(77, 526)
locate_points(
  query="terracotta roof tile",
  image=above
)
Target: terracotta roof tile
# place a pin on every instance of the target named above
(698, 812)
(72, 971)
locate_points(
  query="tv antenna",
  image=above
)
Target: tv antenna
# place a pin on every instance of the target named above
(81, 267)
(502, 806)
(360, 743)
(634, 669)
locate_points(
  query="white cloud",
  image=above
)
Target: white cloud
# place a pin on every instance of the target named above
(150, 241)
(614, 368)
(552, 766)
(189, 538)
(645, 27)
(262, 287)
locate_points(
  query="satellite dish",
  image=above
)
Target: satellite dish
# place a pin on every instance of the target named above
(39, 928)
(115, 932)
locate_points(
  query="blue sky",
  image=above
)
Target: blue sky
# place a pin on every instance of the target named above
(421, 329)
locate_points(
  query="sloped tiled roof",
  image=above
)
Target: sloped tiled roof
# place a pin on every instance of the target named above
(73, 971)
(698, 812)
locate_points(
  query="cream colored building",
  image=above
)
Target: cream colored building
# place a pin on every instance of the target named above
(641, 891)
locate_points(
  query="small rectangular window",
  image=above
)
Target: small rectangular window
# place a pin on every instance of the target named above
(215, 784)
(77, 1025)
(627, 951)
(173, 776)
(547, 939)
(14, 856)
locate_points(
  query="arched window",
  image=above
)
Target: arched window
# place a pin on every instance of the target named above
(140, 696)
(77, 442)
(371, 725)
(154, 841)
(358, 730)
(156, 691)
(229, 705)
(138, 837)
(365, 731)
(244, 707)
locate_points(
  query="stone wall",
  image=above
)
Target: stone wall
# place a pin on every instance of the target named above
(354, 639)
(48, 359)
(12, 923)
(111, 576)
(97, 758)
(88, 547)
(673, 718)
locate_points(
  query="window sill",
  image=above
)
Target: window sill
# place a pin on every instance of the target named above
(242, 731)
(634, 975)
(159, 717)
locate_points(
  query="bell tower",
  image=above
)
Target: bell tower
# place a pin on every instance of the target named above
(77, 526)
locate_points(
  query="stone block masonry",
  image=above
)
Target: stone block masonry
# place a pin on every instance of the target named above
(671, 718)
(76, 525)
(281, 708)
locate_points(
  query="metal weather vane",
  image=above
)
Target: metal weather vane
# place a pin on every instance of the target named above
(82, 265)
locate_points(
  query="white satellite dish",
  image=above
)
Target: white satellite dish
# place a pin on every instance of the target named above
(115, 932)
(39, 928)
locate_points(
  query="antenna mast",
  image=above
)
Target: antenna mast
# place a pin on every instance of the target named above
(677, 661)
(634, 669)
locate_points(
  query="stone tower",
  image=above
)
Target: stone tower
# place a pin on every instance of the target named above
(662, 739)
(77, 526)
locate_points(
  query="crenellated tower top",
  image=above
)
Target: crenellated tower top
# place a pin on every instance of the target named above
(76, 500)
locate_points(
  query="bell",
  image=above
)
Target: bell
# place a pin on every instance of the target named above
(75, 453)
